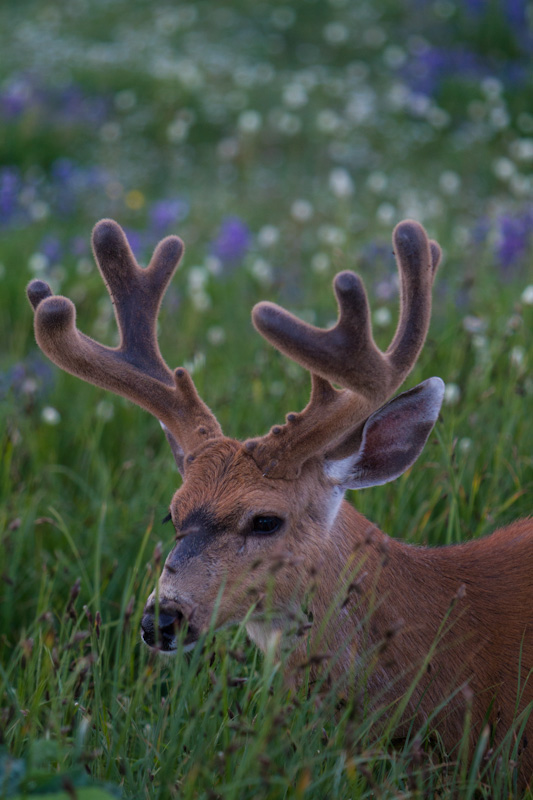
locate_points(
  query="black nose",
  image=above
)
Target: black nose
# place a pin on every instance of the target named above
(165, 635)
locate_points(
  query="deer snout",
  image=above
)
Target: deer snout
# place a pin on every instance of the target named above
(160, 630)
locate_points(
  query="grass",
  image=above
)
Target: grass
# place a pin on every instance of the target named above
(85, 479)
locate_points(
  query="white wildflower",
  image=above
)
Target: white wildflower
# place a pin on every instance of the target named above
(249, 121)
(382, 317)
(37, 263)
(301, 210)
(517, 356)
(105, 410)
(464, 444)
(449, 182)
(527, 295)
(50, 415)
(320, 263)
(340, 182)
(268, 235)
(216, 335)
(262, 271)
(473, 324)
(452, 394)
(386, 213)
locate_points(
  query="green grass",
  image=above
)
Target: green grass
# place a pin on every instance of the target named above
(82, 703)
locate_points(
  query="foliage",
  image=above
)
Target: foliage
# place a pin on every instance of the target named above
(282, 142)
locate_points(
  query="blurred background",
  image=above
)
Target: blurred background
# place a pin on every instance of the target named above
(282, 141)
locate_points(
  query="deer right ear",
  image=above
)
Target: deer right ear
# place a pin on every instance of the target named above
(177, 451)
(393, 438)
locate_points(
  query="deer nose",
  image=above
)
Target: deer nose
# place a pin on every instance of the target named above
(168, 623)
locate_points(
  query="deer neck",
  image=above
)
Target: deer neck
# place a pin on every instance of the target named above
(375, 598)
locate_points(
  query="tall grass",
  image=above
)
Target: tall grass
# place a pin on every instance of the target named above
(247, 111)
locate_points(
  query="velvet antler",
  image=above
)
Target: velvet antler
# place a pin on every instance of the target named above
(135, 369)
(348, 356)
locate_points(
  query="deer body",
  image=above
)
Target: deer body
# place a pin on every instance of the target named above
(263, 532)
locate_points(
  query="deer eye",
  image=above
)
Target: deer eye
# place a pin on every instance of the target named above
(266, 524)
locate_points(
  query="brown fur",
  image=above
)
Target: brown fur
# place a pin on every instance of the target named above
(451, 612)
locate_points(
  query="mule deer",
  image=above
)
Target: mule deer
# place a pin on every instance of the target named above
(268, 515)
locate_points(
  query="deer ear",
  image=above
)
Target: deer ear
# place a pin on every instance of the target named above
(393, 438)
(177, 452)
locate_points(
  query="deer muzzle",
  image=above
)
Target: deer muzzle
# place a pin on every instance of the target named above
(161, 628)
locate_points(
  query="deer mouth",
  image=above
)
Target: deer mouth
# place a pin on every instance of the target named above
(164, 637)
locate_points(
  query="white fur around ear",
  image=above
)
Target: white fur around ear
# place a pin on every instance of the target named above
(393, 438)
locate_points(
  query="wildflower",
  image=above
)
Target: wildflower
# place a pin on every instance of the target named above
(320, 263)
(377, 182)
(196, 364)
(331, 234)
(449, 182)
(288, 123)
(268, 236)
(166, 213)
(262, 271)
(517, 356)
(249, 121)
(340, 182)
(233, 240)
(216, 335)
(135, 199)
(335, 33)
(386, 213)
(105, 410)
(503, 168)
(302, 210)
(38, 263)
(382, 317)
(527, 295)
(464, 444)
(452, 394)
(328, 121)
(50, 415)
(473, 324)
(295, 95)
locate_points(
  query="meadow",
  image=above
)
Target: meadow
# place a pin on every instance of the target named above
(282, 141)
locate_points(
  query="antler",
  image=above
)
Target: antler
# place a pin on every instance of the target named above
(135, 369)
(347, 355)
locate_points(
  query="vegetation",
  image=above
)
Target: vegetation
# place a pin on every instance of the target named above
(282, 142)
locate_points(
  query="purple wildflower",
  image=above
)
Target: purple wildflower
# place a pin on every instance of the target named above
(233, 240)
(166, 213)
(32, 377)
(10, 185)
(51, 247)
(515, 234)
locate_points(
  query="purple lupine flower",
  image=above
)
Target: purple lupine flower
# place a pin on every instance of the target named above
(10, 185)
(515, 234)
(51, 247)
(233, 240)
(31, 377)
(15, 98)
(79, 246)
(166, 213)
(432, 65)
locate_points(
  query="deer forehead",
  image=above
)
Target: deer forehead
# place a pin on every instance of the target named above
(224, 481)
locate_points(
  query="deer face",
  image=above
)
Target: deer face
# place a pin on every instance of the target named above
(252, 517)
(243, 540)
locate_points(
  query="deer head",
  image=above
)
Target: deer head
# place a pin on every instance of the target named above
(261, 515)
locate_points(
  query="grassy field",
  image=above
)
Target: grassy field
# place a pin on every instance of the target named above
(282, 143)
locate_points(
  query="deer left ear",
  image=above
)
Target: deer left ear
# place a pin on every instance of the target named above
(393, 438)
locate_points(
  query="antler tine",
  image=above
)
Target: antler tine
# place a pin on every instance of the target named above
(347, 355)
(135, 369)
